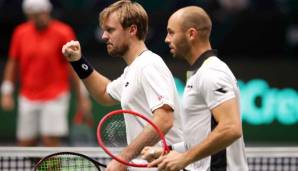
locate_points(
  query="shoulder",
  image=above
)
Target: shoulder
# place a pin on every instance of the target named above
(23, 28)
(214, 70)
(214, 66)
(149, 58)
(61, 27)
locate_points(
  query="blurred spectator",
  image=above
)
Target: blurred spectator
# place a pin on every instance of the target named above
(234, 5)
(242, 28)
(43, 74)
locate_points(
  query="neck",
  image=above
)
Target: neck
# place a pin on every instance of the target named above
(135, 49)
(41, 26)
(197, 51)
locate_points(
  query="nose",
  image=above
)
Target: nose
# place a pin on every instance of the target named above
(104, 36)
(167, 39)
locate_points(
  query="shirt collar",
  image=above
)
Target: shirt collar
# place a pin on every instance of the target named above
(200, 60)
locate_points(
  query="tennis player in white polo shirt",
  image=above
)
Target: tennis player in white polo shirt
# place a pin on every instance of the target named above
(146, 85)
(210, 109)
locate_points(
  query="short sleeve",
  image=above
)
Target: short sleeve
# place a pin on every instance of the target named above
(216, 87)
(69, 34)
(158, 87)
(114, 88)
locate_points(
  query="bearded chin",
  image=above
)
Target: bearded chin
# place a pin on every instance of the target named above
(179, 54)
(119, 52)
(184, 49)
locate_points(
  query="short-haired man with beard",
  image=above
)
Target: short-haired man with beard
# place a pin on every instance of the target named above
(210, 114)
(146, 85)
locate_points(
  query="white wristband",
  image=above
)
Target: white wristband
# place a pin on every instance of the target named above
(179, 147)
(7, 87)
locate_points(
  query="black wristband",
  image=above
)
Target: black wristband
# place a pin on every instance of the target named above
(82, 67)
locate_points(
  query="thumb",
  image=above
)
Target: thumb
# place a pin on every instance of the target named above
(69, 52)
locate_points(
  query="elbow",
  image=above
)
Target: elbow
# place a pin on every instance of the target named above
(167, 126)
(235, 132)
(99, 100)
(164, 118)
(231, 132)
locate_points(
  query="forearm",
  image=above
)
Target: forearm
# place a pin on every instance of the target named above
(76, 84)
(94, 82)
(9, 76)
(221, 137)
(10, 70)
(163, 119)
(96, 85)
(148, 137)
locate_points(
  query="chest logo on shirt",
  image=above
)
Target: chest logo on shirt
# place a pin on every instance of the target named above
(126, 84)
(221, 90)
(159, 97)
(189, 86)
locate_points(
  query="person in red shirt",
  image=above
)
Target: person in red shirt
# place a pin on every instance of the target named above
(43, 73)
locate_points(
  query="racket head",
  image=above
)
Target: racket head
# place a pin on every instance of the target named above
(122, 112)
(142, 169)
(67, 161)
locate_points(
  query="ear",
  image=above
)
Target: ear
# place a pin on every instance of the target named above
(192, 33)
(133, 30)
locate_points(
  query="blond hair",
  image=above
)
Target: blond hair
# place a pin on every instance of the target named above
(129, 13)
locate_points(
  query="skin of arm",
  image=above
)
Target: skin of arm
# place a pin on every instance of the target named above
(228, 130)
(95, 83)
(162, 118)
(82, 99)
(7, 101)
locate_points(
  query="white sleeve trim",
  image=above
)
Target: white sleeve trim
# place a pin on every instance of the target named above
(164, 102)
(220, 101)
(110, 92)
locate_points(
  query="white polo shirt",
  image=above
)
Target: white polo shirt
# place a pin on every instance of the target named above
(145, 85)
(210, 83)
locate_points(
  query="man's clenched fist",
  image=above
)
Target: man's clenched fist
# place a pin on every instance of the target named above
(72, 50)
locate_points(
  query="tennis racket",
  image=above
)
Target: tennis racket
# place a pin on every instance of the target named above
(68, 161)
(110, 121)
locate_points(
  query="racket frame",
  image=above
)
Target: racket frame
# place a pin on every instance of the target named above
(96, 163)
(123, 112)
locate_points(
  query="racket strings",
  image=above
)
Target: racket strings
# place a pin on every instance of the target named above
(114, 132)
(108, 130)
(66, 162)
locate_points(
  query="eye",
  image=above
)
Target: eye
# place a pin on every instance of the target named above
(110, 30)
(170, 33)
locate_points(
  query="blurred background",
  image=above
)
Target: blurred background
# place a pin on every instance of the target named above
(257, 39)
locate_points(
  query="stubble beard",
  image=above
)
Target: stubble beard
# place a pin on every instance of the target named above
(182, 49)
(119, 51)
